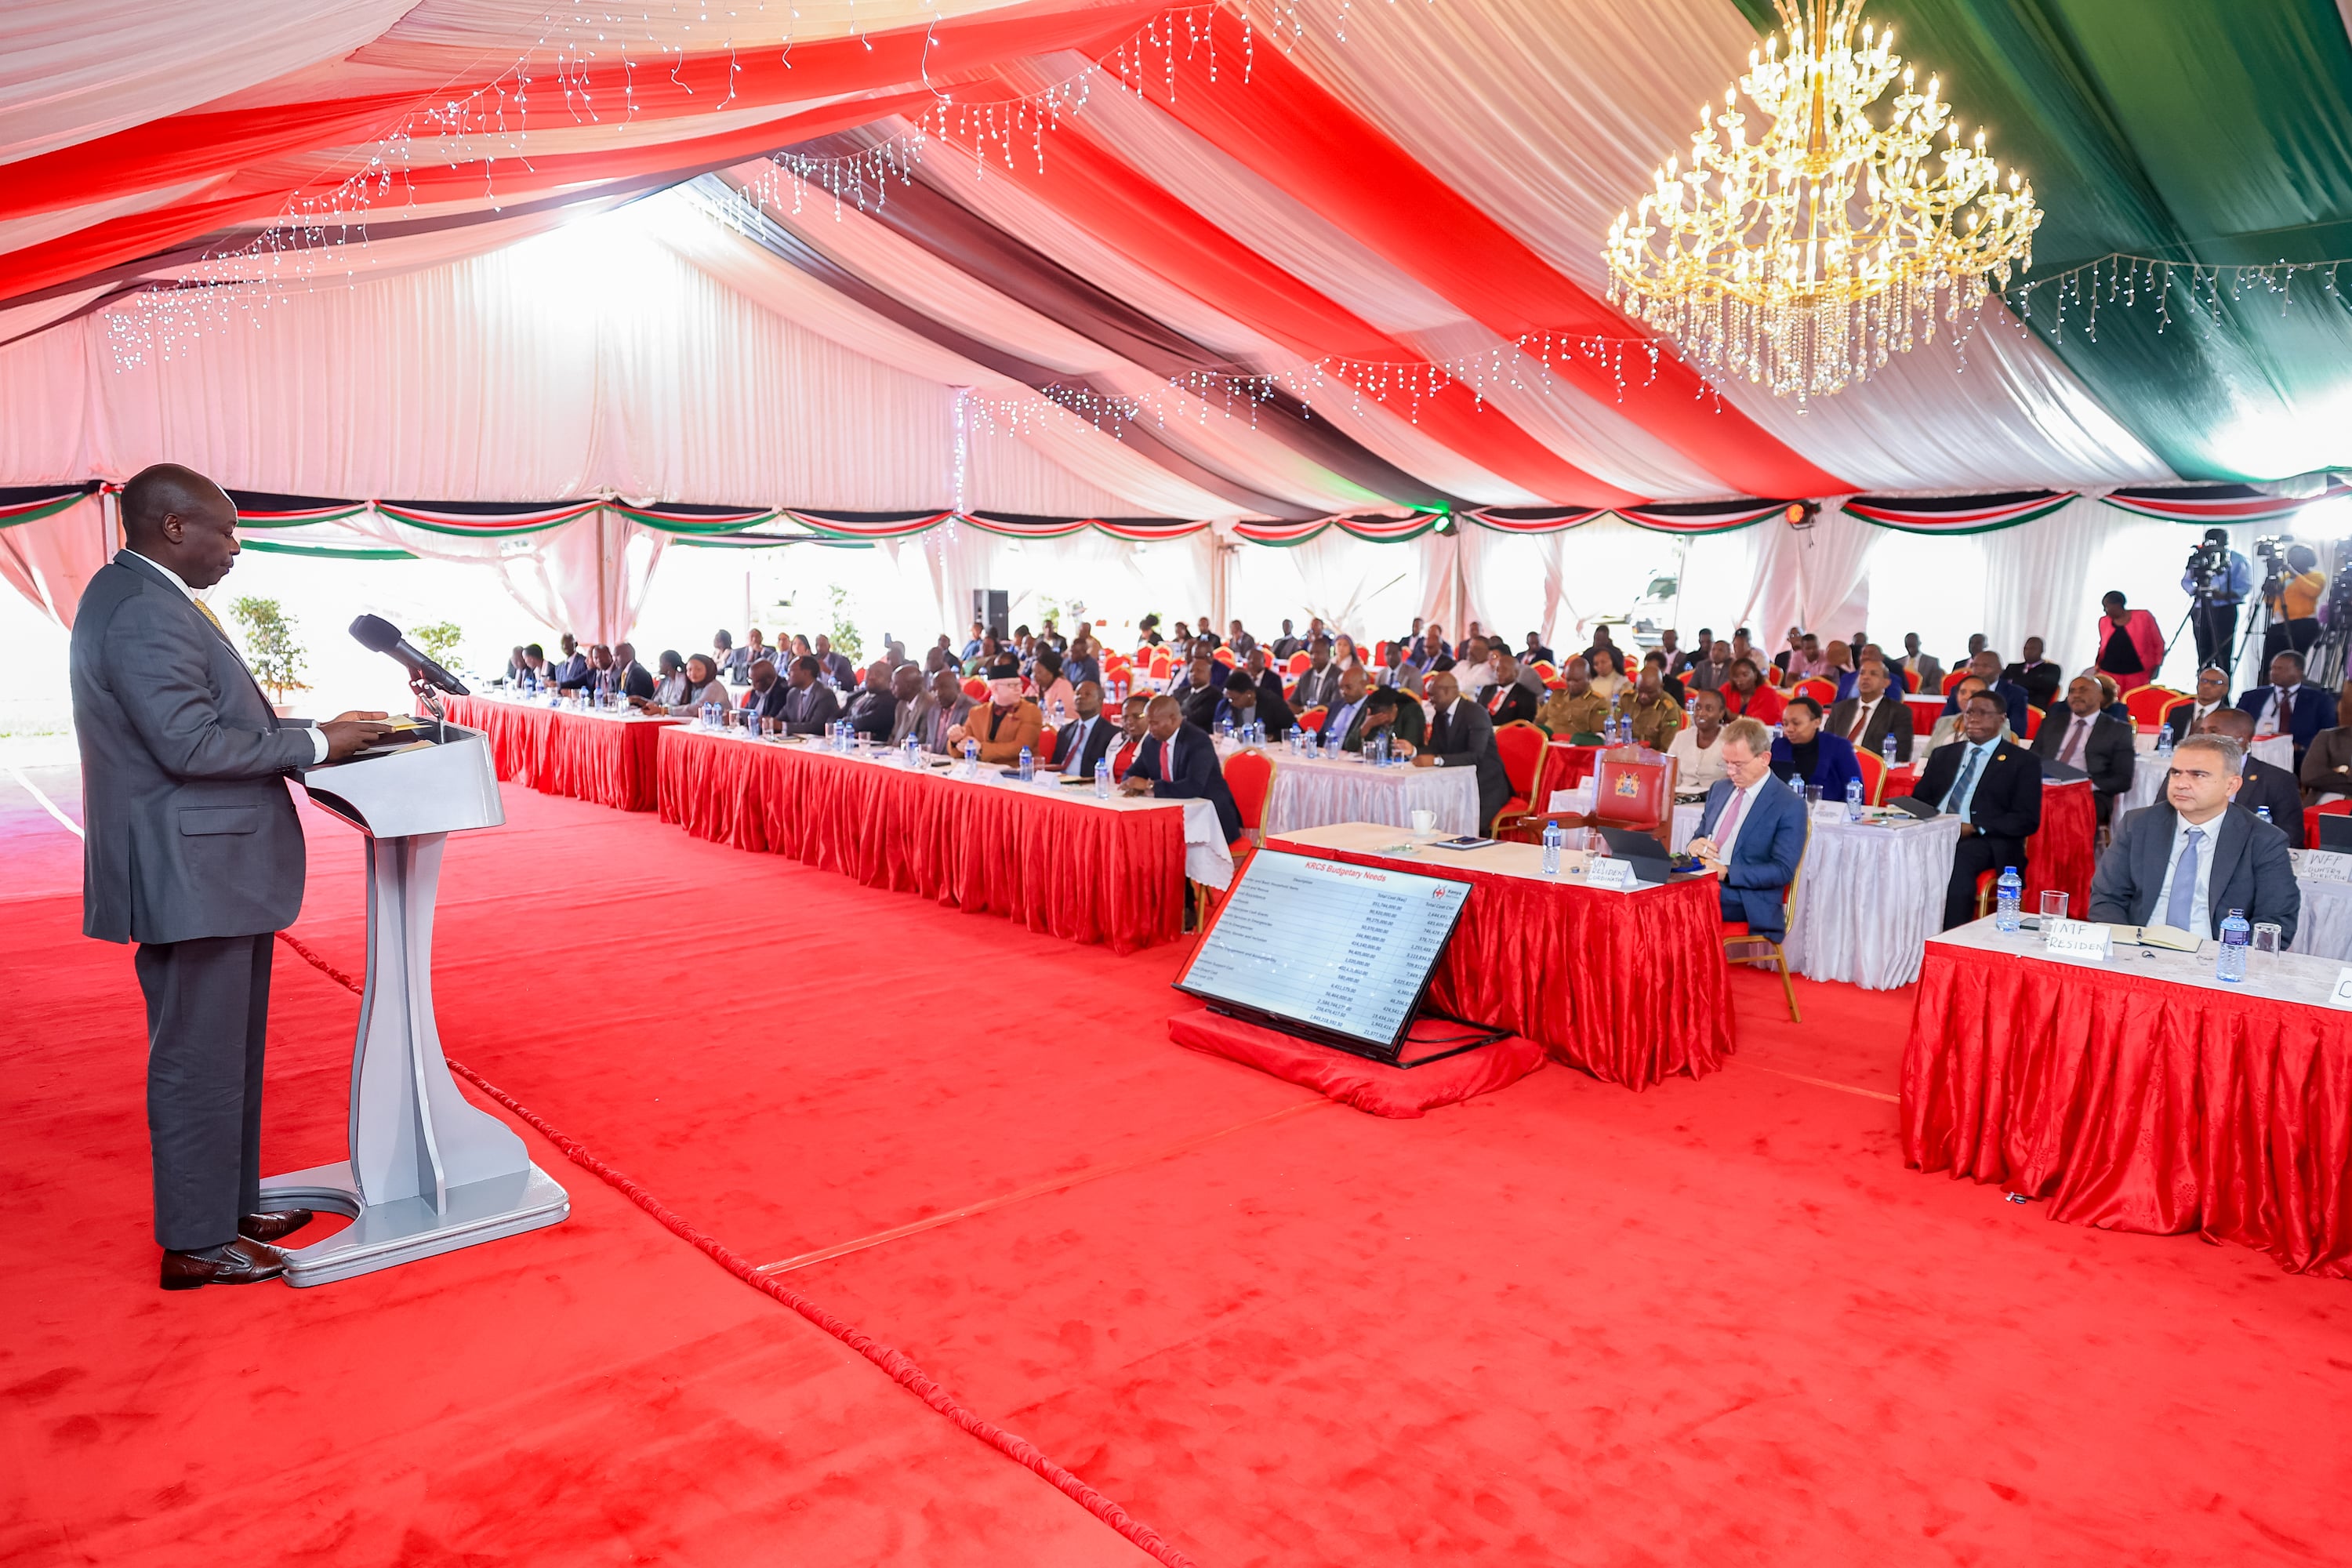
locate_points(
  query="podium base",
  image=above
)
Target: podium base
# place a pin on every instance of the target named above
(383, 1234)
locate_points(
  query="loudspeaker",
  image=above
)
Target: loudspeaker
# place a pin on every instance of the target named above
(992, 607)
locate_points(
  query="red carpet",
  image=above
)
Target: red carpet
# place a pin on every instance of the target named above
(1713, 1322)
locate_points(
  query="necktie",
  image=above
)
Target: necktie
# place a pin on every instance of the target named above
(2286, 709)
(1168, 759)
(206, 611)
(2073, 741)
(1730, 818)
(2184, 882)
(1861, 720)
(1960, 786)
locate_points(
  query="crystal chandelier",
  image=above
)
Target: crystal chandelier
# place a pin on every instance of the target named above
(1802, 259)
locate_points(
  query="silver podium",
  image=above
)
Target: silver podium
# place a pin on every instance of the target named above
(428, 1172)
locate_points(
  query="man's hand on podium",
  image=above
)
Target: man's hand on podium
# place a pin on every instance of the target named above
(351, 733)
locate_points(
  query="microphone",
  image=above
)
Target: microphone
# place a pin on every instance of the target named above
(376, 633)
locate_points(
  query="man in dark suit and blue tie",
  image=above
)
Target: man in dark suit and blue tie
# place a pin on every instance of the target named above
(2288, 707)
(1751, 834)
(193, 851)
(1179, 761)
(1993, 784)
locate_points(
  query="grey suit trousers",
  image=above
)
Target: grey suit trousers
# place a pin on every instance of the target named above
(208, 1007)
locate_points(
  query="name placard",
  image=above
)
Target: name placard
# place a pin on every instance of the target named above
(2326, 865)
(2083, 940)
(1607, 871)
(2341, 997)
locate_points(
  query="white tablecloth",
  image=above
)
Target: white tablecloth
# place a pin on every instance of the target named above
(2277, 750)
(1320, 792)
(1868, 900)
(2324, 928)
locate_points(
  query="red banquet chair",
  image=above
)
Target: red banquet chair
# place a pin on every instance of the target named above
(2034, 717)
(1525, 751)
(1311, 720)
(1741, 945)
(974, 686)
(2148, 704)
(1249, 774)
(1821, 691)
(1298, 664)
(1910, 680)
(1224, 655)
(1954, 677)
(1160, 663)
(1874, 776)
(1632, 789)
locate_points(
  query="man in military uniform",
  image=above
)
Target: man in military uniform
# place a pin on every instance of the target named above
(1575, 709)
(1655, 715)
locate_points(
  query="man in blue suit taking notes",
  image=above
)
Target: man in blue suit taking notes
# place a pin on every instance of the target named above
(1752, 836)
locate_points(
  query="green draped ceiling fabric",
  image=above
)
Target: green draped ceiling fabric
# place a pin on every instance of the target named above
(2213, 132)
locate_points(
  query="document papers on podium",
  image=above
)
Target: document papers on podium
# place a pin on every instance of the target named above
(1336, 952)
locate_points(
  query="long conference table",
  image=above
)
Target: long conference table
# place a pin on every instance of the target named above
(2140, 1093)
(607, 758)
(1631, 986)
(1047, 855)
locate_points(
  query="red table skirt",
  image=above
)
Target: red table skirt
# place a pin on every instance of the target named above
(1059, 867)
(1629, 986)
(2062, 855)
(2135, 1104)
(559, 752)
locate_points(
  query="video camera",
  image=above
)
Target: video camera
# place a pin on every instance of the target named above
(2209, 564)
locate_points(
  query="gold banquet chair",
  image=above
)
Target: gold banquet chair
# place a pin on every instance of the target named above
(1741, 945)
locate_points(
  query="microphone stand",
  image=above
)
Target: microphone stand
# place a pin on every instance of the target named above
(432, 700)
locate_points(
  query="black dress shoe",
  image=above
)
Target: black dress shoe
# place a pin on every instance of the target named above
(240, 1262)
(272, 1226)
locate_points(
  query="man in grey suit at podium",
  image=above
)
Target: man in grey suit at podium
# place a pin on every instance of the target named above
(192, 850)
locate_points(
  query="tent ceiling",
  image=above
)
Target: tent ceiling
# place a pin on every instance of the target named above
(1361, 273)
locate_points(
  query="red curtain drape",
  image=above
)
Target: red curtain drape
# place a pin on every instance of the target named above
(1632, 988)
(2134, 1103)
(1059, 867)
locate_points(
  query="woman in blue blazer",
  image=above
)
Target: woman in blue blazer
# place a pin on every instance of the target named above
(1808, 752)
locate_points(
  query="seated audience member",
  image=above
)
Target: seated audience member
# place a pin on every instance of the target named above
(1608, 672)
(1669, 646)
(1745, 695)
(1243, 702)
(2113, 696)
(911, 702)
(1397, 713)
(1708, 672)
(1259, 668)
(1127, 744)
(1343, 651)
(1435, 653)
(1198, 691)
(767, 696)
(971, 645)
(1994, 786)
(1506, 701)
(809, 705)
(1083, 662)
(730, 662)
(1575, 710)
(1057, 695)
(1697, 750)
(1948, 728)
(833, 666)
(1655, 712)
(949, 708)
(2326, 769)
(2035, 676)
(2130, 644)
(2083, 735)
(2261, 786)
(755, 648)
(1811, 754)
(519, 664)
(1319, 685)
(1179, 761)
(699, 685)
(1670, 683)
(2191, 859)
(634, 681)
(1984, 665)
(1006, 723)
(1462, 735)
(670, 689)
(1751, 832)
(2188, 717)
(1087, 739)
(1240, 641)
(876, 707)
(800, 649)
(1149, 629)
(603, 680)
(1344, 718)
(1473, 672)
(1925, 665)
(1395, 673)
(2287, 706)
(571, 671)
(1873, 713)
(1535, 652)
(1288, 643)
(1837, 668)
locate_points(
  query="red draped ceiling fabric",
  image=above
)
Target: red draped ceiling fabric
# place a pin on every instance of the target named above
(1059, 867)
(2136, 1104)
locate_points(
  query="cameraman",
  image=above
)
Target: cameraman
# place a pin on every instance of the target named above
(2293, 595)
(2217, 582)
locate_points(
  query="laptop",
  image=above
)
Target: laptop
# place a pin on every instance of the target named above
(2334, 831)
(1649, 857)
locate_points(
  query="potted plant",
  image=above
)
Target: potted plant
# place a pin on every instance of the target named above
(276, 659)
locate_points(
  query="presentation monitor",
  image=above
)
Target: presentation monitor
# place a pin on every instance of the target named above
(1332, 951)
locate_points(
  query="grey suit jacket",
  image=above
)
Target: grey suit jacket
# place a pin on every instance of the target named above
(2251, 872)
(190, 829)
(2109, 753)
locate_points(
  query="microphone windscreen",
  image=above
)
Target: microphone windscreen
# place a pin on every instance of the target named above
(376, 634)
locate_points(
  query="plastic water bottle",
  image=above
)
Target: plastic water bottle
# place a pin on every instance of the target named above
(1797, 786)
(1854, 800)
(2008, 895)
(1332, 748)
(1060, 718)
(2164, 742)
(1552, 840)
(914, 753)
(971, 756)
(1028, 767)
(1102, 779)
(1225, 728)
(2263, 812)
(1295, 737)
(2230, 964)
(1886, 753)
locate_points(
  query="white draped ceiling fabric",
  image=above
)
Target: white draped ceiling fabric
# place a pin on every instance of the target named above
(818, 257)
